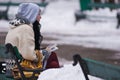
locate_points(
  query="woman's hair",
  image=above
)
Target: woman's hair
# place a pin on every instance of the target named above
(37, 35)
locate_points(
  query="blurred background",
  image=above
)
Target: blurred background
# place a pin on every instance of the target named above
(86, 27)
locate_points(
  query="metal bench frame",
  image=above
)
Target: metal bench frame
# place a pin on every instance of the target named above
(97, 68)
(14, 51)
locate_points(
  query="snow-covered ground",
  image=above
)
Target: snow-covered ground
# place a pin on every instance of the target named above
(58, 22)
(68, 72)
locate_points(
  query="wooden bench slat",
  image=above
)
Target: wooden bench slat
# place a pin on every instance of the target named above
(102, 5)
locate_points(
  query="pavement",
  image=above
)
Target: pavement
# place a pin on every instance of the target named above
(66, 52)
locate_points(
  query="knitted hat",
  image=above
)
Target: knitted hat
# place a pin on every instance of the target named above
(28, 11)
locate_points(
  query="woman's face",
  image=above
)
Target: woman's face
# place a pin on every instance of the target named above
(38, 17)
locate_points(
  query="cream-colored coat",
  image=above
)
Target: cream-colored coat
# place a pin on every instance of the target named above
(23, 38)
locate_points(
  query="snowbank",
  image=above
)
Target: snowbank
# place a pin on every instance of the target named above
(68, 72)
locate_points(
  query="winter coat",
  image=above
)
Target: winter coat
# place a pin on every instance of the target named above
(22, 37)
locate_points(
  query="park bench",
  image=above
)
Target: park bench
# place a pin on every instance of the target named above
(89, 5)
(89, 66)
(97, 68)
(17, 57)
(103, 5)
(4, 13)
(9, 52)
(3, 58)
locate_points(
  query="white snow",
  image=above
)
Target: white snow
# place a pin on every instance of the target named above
(58, 21)
(68, 72)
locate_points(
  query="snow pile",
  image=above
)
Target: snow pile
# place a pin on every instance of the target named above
(68, 72)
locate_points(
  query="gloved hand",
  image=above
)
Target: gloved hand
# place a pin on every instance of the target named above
(45, 54)
(51, 48)
(47, 51)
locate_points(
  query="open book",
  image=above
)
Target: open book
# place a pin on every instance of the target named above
(51, 47)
